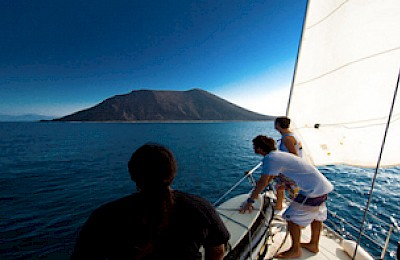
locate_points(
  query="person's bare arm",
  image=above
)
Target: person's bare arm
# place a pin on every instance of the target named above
(261, 184)
(290, 144)
(215, 253)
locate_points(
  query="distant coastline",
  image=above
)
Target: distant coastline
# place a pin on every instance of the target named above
(25, 118)
(153, 121)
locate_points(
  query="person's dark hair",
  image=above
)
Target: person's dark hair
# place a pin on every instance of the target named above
(153, 168)
(283, 122)
(265, 143)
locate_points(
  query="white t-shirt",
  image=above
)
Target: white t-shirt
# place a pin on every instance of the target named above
(311, 182)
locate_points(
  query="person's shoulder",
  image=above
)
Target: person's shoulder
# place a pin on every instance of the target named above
(193, 203)
(291, 138)
(277, 156)
(189, 198)
(195, 207)
(113, 207)
(286, 135)
(281, 154)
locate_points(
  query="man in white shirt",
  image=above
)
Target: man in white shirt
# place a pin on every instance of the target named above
(309, 205)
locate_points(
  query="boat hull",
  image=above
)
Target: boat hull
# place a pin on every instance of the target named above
(249, 232)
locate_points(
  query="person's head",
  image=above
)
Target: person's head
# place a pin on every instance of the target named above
(282, 122)
(263, 144)
(152, 167)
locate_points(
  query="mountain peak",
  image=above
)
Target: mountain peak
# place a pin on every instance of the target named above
(165, 105)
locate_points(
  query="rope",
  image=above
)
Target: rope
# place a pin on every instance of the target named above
(250, 244)
(281, 245)
(232, 220)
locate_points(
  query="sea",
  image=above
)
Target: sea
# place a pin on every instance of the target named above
(54, 174)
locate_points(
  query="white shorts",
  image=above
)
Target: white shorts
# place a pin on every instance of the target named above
(303, 215)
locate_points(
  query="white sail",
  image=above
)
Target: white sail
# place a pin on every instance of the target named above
(345, 80)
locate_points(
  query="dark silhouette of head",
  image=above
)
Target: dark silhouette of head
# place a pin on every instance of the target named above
(283, 122)
(265, 143)
(152, 167)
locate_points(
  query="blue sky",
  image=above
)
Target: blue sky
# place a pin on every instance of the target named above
(58, 57)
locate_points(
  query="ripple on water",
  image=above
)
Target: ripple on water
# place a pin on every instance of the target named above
(54, 175)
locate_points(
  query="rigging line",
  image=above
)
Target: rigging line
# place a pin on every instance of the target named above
(349, 64)
(326, 17)
(336, 228)
(377, 165)
(343, 233)
(352, 227)
(372, 240)
(344, 125)
(395, 118)
(361, 208)
(233, 221)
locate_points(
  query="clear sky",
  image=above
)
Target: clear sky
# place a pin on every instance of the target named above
(58, 57)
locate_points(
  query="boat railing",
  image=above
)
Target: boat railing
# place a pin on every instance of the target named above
(390, 227)
(341, 231)
(248, 175)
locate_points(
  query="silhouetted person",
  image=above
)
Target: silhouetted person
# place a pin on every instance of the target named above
(154, 223)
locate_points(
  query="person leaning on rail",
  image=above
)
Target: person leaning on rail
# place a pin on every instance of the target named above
(309, 205)
(156, 222)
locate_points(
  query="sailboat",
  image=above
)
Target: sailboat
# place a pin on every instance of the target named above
(344, 110)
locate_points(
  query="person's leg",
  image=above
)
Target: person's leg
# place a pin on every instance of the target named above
(312, 246)
(295, 250)
(280, 195)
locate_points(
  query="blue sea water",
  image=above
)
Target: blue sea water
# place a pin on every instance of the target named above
(52, 175)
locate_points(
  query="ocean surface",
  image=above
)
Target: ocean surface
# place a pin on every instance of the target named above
(52, 175)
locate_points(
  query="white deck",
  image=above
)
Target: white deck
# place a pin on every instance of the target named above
(238, 224)
(329, 246)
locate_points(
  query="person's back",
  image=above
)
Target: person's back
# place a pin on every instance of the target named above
(297, 146)
(289, 142)
(311, 181)
(154, 223)
(115, 227)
